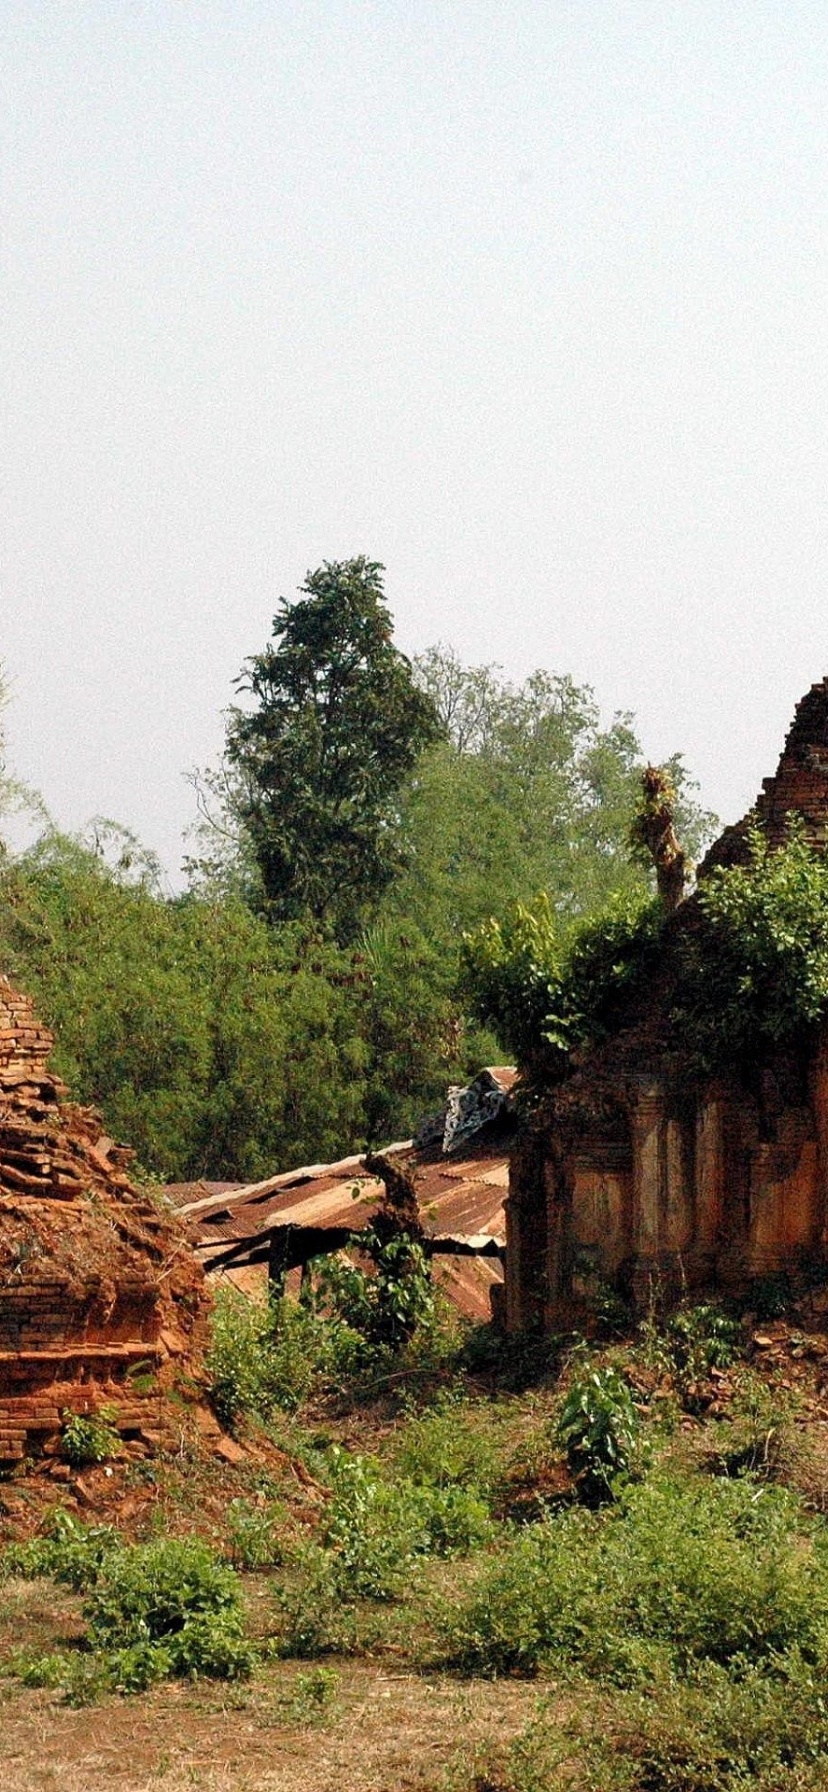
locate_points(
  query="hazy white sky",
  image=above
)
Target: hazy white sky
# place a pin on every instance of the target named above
(528, 301)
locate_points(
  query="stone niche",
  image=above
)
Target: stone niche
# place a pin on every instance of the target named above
(102, 1302)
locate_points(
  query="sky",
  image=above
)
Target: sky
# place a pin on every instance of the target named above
(528, 302)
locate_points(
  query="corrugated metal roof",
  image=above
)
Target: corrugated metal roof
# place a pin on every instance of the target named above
(460, 1198)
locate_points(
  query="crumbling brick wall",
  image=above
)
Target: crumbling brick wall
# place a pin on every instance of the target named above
(101, 1299)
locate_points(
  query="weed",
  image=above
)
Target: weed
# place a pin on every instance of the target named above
(598, 1428)
(449, 1445)
(68, 1551)
(767, 1730)
(152, 1609)
(312, 1696)
(264, 1356)
(756, 1438)
(88, 1438)
(677, 1571)
(253, 1534)
(387, 1307)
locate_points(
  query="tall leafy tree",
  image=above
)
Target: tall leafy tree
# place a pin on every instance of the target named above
(526, 792)
(319, 761)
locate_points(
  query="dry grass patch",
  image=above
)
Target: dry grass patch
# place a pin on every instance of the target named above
(384, 1733)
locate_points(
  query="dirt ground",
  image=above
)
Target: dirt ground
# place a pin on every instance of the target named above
(383, 1733)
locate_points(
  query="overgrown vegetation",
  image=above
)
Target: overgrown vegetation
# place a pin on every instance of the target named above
(748, 972)
(304, 997)
(638, 1531)
(164, 1608)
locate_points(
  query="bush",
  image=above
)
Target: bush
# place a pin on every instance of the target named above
(152, 1609)
(68, 1551)
(368, 1527)
(252, 1534)
(264, 1356)
(598, 1427)
(675, 1573)
(449, 1445)
(388, 1306)
(767, 1730)
(754, 972)
(543, 997)
(174, 1595)
(88, 1439)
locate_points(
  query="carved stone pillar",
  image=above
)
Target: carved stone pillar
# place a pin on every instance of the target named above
(649, 1145)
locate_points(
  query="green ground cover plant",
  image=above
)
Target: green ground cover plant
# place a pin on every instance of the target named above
(89, 1438)
(169, 1607)
(598, 1427)
(266, 1357)
(677, 1571)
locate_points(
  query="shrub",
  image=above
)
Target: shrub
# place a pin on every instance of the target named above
(543, 997)
(312, 1696)
(86, 1439)
(755, 970)
(447, 1446)
(675, 1573)
(598, 1427)
(175, 1595)
(766, 1730)
(368, 1528)
(252, 1536)
(387, 1306)
(152, 1609)
(68, 1551)
(264, 1356)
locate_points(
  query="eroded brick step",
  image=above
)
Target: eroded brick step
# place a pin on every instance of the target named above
(81, 1353)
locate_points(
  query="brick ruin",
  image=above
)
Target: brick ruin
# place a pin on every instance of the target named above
(628, 1175)
(101, 1300)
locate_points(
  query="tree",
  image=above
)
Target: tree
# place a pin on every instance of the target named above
(527, 792)
(319, 763)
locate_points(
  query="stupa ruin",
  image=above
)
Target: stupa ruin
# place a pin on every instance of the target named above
(102, 1303)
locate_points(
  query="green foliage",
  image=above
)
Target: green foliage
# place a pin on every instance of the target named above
(766, 1729)
(174, 1597)
(749, 974)
(253, 1534)
(265, 1356)
(598, 1428)
(156, 1609)
(375, 1531)
(514, 976)
(337, 727)
(368, 1529)
(527, 793)
(755, 972)
(67, 1551)
(172, 1015)
(89, 1438)
(387, 1306)
(674, 1573)
(448, 1445)
(687, 1345)
(608, 961)
(545, 996)
(312, 1696)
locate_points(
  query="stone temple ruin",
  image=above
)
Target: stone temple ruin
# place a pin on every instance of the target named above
(629, 1177)
(101, 1300)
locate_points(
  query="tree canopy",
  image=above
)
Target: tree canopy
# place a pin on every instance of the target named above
(338, 724)
(526, 793)
(305, 996)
